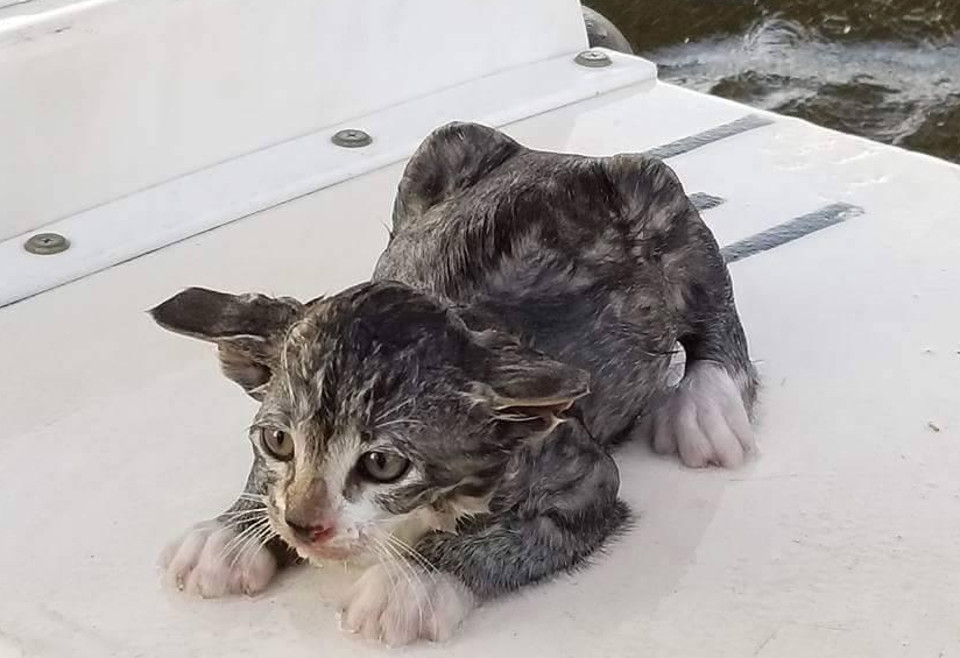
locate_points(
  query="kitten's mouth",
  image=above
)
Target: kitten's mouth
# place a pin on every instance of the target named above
(325, 553)
(328, 549)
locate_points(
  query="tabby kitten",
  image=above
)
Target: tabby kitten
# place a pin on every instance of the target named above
(449, 423)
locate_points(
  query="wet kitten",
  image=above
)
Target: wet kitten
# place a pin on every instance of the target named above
(451, 420)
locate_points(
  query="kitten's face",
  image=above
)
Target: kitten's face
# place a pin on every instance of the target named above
(383, 416)
(357, 443)
(341, 489)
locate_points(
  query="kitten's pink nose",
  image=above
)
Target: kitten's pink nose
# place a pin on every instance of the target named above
(313, 534)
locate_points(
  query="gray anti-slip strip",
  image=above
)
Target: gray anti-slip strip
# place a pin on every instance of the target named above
(790, 230)
(703, 201)
(687, 144)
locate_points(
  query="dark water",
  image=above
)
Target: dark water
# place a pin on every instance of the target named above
(884, 69)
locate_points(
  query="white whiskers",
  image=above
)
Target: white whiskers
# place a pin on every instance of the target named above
(396, 551)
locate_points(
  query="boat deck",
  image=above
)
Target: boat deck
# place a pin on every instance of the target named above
(839, 540)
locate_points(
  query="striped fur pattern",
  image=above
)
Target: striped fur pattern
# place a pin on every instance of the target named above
(519, 325)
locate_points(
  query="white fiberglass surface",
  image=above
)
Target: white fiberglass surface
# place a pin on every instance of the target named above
(11, 8)
(106, 98)
(166, 213)
(839, 540)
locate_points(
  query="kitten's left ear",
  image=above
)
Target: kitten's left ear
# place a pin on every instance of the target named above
(246, 328)
(523, 385)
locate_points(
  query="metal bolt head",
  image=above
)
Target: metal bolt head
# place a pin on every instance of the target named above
(46, 244)
(351, 138)
(594, 59)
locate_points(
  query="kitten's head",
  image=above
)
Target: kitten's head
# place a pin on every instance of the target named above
(381, 413)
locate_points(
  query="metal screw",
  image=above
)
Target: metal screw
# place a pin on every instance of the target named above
(594, 59)
(46, 244)
(351, 138)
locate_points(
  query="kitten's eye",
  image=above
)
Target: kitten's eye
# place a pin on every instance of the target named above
(382, 466)
(277, 442)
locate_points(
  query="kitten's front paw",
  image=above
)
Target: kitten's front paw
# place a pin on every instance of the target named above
(213, 561)
(703, 419)
(402, 604)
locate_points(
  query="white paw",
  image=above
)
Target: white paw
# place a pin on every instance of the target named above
(703, 419)
(213, 561)
(399, 605)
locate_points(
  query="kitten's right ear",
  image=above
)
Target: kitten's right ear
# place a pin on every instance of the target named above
(247, 329)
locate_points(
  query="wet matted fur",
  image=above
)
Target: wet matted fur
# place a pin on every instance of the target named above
(452, 418)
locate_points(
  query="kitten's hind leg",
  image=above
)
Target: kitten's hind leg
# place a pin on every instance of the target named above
(686, 287)
(706, 419)
(236, 553)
